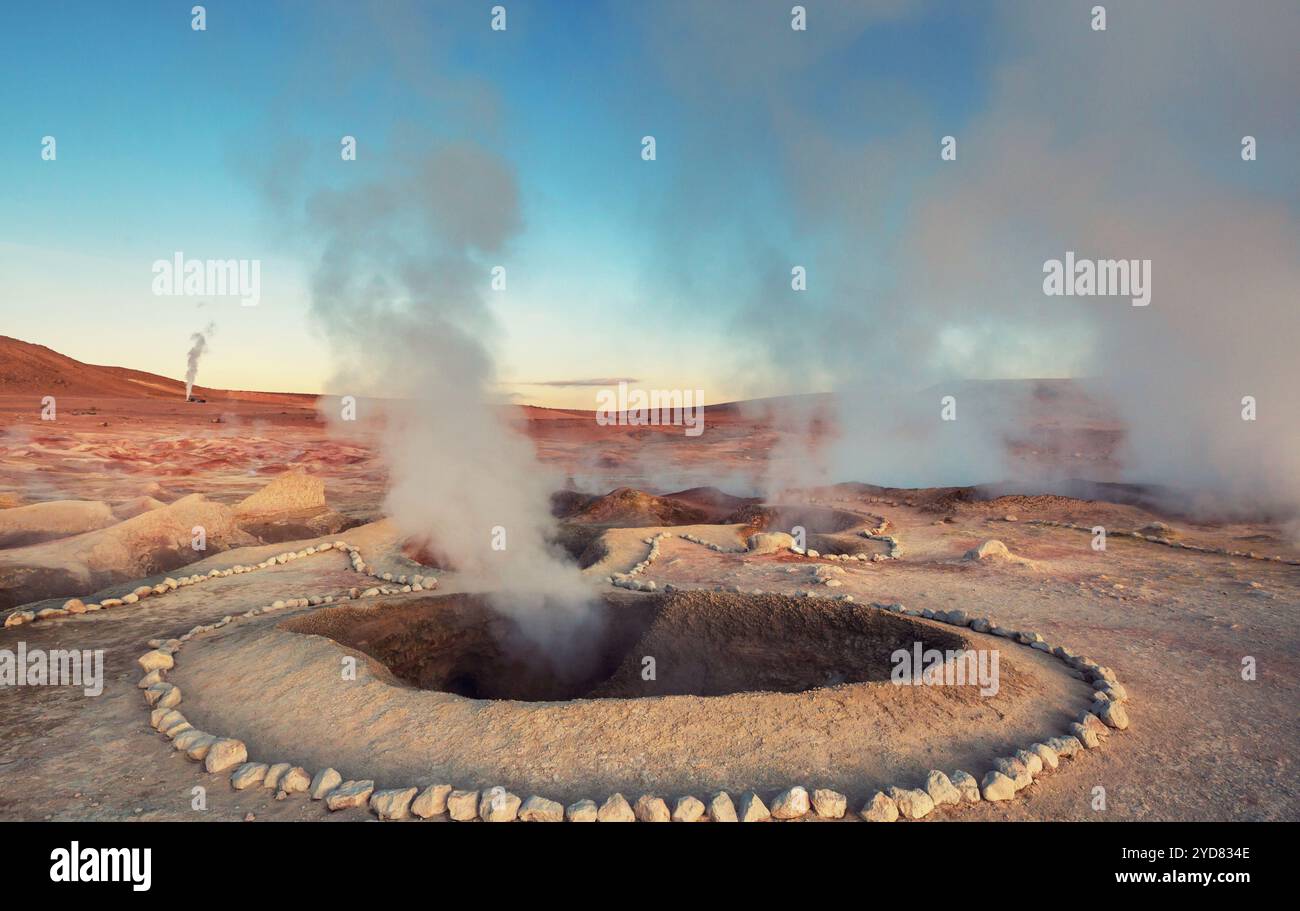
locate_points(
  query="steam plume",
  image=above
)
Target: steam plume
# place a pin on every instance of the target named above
(198, 346)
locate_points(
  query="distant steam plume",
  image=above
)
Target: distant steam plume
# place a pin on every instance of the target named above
(198, 346)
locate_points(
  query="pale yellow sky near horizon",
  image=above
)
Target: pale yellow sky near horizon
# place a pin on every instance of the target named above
(101, 310)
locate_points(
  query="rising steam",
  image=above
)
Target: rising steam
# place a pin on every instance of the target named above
(404, 266)
(198, 346)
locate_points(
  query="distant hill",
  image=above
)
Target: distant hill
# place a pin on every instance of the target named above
(37, 370)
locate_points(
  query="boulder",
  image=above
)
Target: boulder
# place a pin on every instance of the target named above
(990, 549)
(769, 542)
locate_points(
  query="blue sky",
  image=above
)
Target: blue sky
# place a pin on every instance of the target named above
(660, 271)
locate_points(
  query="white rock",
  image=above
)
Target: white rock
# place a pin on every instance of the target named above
(721, 809)
(687, 809)
(829, 804)
(349, 794)
(156, 660)
(752, 808)
(581, 811)
(1045, 754)
(539, 809)
(965, 783)
(941, 789)
(615, 809)
(295, 781)
(392, 804)
(791, 804)
(224, 755)
(432, 801)
(997, 786)
(325, 781)
(913, 803)
(498, 805)
(880, 808)
(462, 806)
(274, 773)
(248, 775)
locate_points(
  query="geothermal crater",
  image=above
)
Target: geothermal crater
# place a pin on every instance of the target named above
(464, 645)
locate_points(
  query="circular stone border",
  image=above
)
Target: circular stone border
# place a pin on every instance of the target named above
(1009, 775)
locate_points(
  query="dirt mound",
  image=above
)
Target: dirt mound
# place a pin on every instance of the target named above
(814, 519)
(156, 541)
(23, 525)
(627, 507)
(291, 492)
